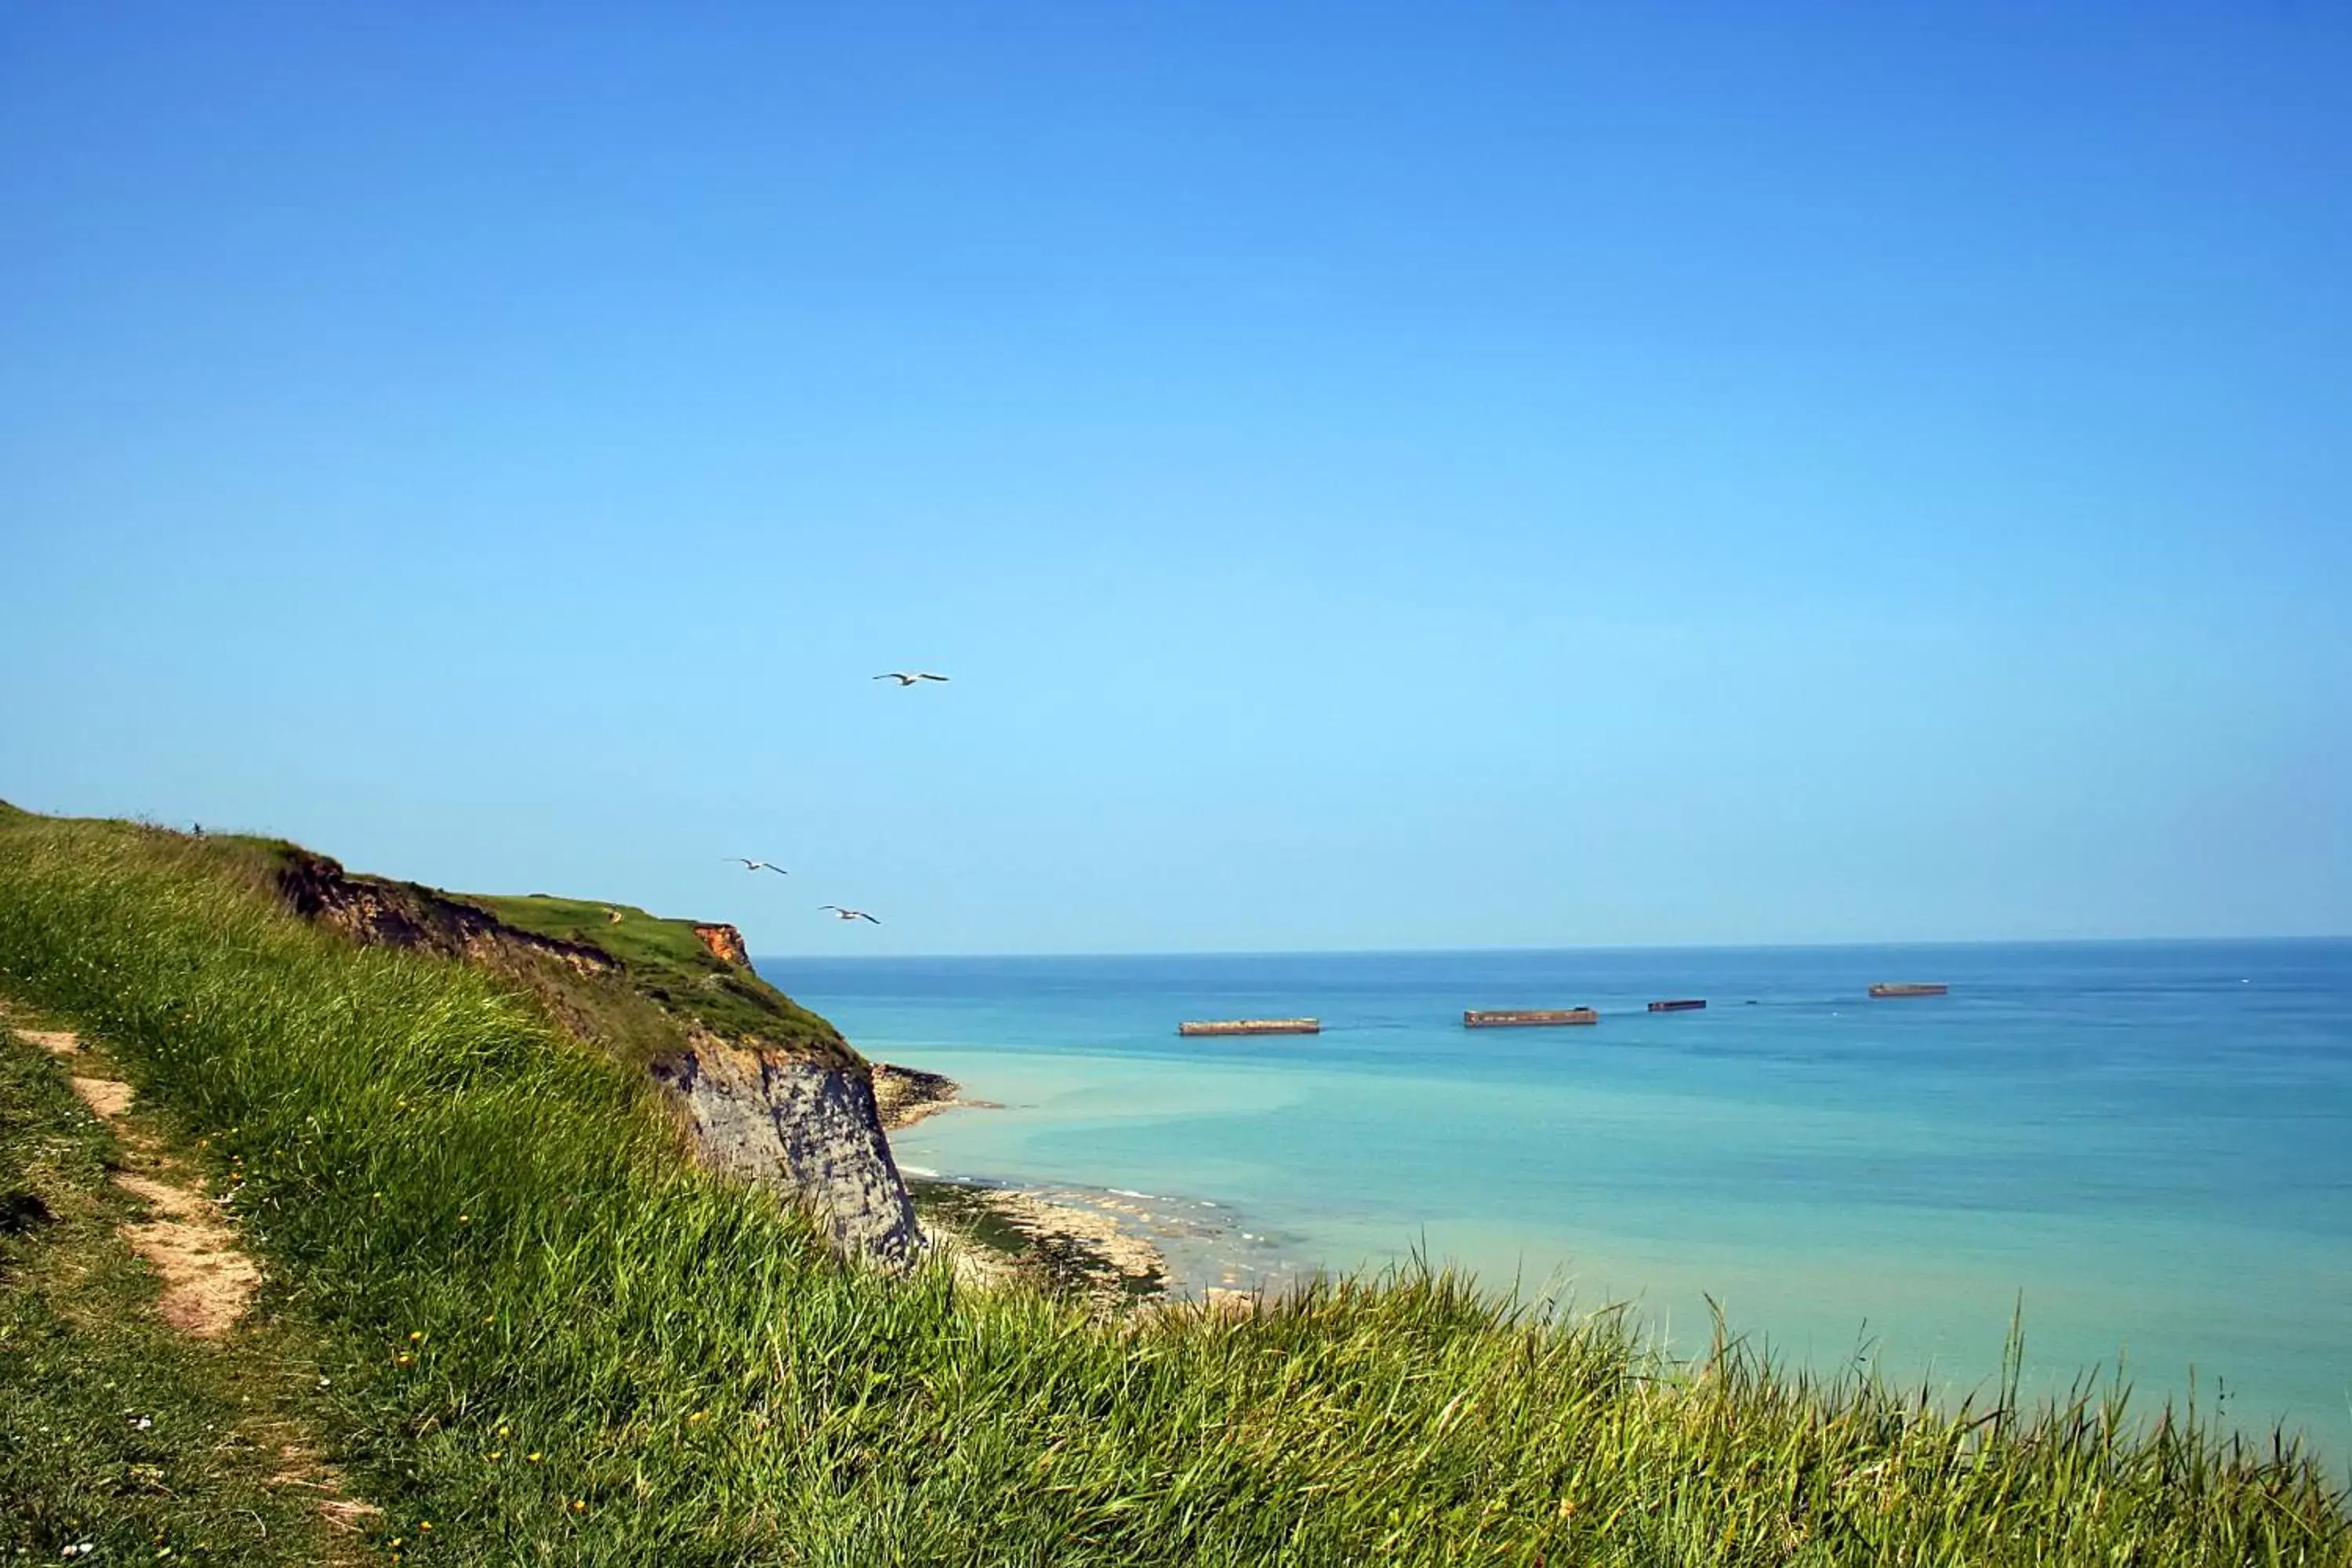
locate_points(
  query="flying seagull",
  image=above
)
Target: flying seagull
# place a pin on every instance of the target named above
(904, 678)
(761, 866)
(841, 914)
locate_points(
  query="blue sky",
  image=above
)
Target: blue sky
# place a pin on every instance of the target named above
(1378, 477)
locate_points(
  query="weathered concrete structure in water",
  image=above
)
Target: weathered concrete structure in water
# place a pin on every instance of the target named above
(1528, 1018)
(1687, 1005)
(1910, 988)
(1253, 1026)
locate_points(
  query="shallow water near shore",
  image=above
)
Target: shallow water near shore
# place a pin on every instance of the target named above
(2147, 1144)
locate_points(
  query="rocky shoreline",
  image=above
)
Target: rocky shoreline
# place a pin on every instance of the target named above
(997, 1234)
(904, 1096)
(1002, 1233)
(1112, 1248)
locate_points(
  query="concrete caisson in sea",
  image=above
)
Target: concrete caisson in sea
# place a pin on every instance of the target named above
(1680, 1005)
(1252, 1027)
(1527, 1018)
(1910, 988)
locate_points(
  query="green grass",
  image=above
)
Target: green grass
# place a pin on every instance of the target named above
(438, 1174)
(114, 1430)
(664, 961)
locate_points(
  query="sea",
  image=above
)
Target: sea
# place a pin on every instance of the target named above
(2137, 1153)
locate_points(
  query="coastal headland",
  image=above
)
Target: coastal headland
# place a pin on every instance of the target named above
(572, 1239)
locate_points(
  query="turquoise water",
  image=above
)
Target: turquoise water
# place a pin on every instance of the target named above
(2149, 1144)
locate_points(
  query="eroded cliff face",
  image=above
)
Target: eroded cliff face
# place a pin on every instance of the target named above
(808, 1127)
(725, 943)
(382, 913)
(768, 1092)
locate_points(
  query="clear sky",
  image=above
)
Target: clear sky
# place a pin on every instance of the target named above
(1379, 476)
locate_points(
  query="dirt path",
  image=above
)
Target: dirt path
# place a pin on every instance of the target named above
(208, 1279)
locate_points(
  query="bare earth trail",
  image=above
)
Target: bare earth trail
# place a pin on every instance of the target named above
(208, 1279)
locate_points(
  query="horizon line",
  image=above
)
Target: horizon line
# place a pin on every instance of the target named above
(2344, 936)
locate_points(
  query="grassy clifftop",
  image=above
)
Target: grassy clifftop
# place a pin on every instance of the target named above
(673, 964)
(638, 984)
(544, 1336)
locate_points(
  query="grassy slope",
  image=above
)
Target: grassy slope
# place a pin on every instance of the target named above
(616, 1361)
(667, 964)
(114, 1430)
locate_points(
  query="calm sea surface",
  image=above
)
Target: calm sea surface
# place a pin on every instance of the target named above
(2149, 1144)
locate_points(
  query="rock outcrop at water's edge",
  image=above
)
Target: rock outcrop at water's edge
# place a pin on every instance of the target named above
(906, 1095)
(810, 1128)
